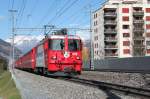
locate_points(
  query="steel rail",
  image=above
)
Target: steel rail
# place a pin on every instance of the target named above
(110, 86)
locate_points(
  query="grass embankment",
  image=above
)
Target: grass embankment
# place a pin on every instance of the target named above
(8, 88)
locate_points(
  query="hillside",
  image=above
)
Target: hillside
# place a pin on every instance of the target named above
(5, 49)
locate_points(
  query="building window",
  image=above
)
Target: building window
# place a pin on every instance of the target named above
(147, 26)
(148, 43)
(95, 23)
(125, 18)
(126, 51)
(125, 27)
(147, 18)
(96, 45)
(147, 34)
(148, 51)
(126, 43)
(126, 35)
(125, 10)
(147, 10)
(96, 30)
(95, 15)
(96, 38)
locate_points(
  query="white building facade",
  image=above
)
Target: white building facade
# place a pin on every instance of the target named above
(121, 28)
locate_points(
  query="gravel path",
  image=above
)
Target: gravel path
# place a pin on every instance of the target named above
(38, 87)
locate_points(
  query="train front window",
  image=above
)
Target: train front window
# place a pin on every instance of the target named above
(56, 44)
(73, 45)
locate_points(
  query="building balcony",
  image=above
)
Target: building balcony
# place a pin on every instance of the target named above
(111, 47)
(109, 9)
(148, 35)
(110, 22)
(141, 30)
(138, 13)
(111, 55)
(138, 21)
(110, 14)
(137, 46)
(110, 39)
(138, 38)
(110, 31)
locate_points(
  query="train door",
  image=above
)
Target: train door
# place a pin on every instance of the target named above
(33, 58)
(40, 62)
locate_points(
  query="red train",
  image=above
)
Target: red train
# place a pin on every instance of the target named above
(53, 55)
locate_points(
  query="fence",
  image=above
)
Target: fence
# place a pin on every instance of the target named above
(135, 64)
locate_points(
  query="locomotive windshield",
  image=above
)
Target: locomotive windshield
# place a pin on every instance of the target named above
(73, 44)
(56, 44)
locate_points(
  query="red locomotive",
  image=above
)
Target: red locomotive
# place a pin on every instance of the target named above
(55, 54)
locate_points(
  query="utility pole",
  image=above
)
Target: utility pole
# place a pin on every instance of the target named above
(91, 46)
(13, 36)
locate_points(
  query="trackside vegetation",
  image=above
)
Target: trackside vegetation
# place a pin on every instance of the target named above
(8, 88)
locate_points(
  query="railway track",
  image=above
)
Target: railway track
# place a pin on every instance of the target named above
(107, 86)
(112, 87)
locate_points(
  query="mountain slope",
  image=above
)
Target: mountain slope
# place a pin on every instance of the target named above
(5, 49)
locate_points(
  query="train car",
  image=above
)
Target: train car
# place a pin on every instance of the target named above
(18, 63)
(27, 61)
(54, 54)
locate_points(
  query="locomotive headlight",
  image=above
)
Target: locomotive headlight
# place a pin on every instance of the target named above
(78, 58)
(54, 57)
(66, 54)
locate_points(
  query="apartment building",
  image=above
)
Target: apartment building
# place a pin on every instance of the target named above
(121, 28)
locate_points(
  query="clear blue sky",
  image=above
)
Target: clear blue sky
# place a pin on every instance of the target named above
(36, 13)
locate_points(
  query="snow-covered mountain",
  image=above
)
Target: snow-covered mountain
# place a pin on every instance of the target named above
(25, 43)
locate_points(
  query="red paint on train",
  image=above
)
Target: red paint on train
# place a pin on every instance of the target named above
(57, 53)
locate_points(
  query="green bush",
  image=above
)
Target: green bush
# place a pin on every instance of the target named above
(3, 65)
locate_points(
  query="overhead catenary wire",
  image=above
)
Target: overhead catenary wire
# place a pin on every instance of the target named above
(61, 12)
(21, 12)
(46, 14)
(37, 29)
(31, 12)
(12, 7)
(75, 16)
(64, 9)
(33, 7)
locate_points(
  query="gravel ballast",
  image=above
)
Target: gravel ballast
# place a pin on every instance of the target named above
(129, 79)
(34, 86)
